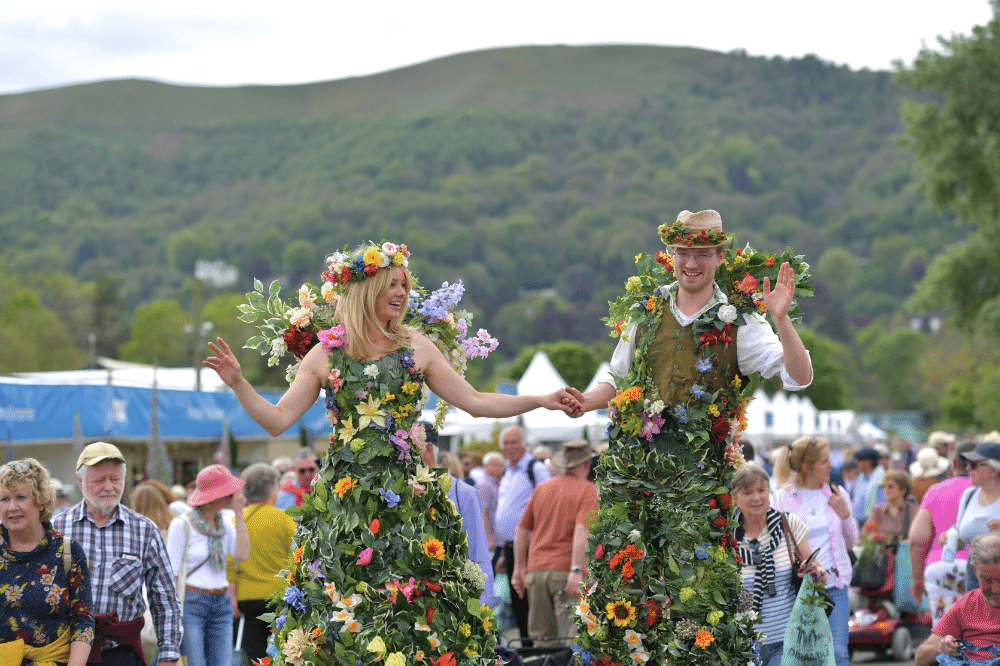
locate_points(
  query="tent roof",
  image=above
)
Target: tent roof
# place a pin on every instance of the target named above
(122, 373)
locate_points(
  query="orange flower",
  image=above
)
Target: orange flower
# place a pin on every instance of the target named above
(433, 513)
(447, 659)
(373, 526)
(651, 303)
(298, 554)
(317, 632)
(630, 394)
(703, 639)
(628, 570)
(434, 548)
(344, 485)
(770, 261)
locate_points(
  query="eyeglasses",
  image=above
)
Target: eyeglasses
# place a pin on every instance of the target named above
(753, 545)
(19, 466)
(303, 470)
(683, 256)
(973, 464)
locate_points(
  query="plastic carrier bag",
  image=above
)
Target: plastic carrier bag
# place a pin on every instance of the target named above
(903, 596)
(808, 639)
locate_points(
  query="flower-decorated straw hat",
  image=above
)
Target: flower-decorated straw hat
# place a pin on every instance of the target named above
(701, 229)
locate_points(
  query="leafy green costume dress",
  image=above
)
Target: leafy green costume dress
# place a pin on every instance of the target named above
(664, 585)
(379, 573)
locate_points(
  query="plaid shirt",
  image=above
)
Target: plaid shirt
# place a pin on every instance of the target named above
(124, 552)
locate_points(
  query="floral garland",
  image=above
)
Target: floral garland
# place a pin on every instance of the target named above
(678, 234)
(345, 268)
(664, 569)
(299, 325)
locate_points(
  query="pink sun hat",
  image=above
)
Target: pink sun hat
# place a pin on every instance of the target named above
(214, 481)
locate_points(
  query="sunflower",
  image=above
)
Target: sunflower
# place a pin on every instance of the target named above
(621, 612)
(434, 548)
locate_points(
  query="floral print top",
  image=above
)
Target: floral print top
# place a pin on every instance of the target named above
(39, 600)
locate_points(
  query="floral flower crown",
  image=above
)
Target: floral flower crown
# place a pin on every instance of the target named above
(344, 268)
(678, 234)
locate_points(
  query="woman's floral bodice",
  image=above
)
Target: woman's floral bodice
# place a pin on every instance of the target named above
(374, 404)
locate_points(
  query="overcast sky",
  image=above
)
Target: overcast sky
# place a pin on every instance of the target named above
(47, 43)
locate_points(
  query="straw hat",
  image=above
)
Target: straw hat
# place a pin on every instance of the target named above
(571, 455)
(701, 229)
(214, 481)
(928, 464)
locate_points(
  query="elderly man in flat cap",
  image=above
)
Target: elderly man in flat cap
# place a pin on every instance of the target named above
(125, 551)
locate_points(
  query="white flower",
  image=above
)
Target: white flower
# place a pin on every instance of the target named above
(634, 640)
(634, 535)
(347, 603)
(291, 371)
(656, 407)
(300, 317)
(328, 293)
(640, 657)
(727, 313)
(278, 349)
(306, 298)
(474, 574)
(371, 370)
(389, 249)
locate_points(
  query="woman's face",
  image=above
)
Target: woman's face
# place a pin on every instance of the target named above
(18, 510)
(819, 471)
(892, 491)
(754, 499)
(391, 302)
(980, 473)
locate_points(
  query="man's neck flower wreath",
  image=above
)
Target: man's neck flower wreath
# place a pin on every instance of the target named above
(309, 320)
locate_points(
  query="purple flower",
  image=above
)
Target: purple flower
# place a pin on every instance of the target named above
(704, 364)
(697, 391)
(279, 621)
(296, 599)
(399, 439)
(441, 302)
(391, 498)
(681, 413)
(315, 570)
(701, 553)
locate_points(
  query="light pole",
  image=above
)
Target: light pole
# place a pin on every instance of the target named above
(203, 330)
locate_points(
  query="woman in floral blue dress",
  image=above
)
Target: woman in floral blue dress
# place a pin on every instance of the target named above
(45, 607)
(380, 570)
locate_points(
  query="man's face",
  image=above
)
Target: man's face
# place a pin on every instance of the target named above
(865, 466)
(695, 267)
(467, 462)
(305, 472)
(495, 468)
(989, 582)
(512, 445)
(102, 485)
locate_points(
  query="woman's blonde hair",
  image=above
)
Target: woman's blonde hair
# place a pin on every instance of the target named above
(29, 472)
(147, 500)
(792, 457)
(450, 461)
(356, 311)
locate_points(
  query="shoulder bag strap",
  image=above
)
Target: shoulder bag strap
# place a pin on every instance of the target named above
(67, 556)
(789, 537)
(182, 577)
(247, 521)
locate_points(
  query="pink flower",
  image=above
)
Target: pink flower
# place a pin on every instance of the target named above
(650, 426)
(409, 590)
(332, 338)
(599, 551)
(365, 557)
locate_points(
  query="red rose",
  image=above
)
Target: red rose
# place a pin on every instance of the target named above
(712, 503)
(720, 430)
(726, 499)
(429, 614)
(721, 521)
(299, 342)
(371, 270)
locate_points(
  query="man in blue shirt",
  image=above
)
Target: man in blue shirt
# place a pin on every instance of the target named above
(867, 485)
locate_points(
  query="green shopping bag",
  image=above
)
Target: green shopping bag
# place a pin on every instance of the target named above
(808, 639)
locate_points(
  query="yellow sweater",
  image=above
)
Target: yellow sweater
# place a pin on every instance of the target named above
(271, 531)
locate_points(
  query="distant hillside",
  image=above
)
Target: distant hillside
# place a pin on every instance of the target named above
(535, 174)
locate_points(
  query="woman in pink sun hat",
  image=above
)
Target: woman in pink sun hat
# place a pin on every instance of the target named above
(201, 540)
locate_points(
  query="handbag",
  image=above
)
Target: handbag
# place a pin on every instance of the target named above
(871, 571)
(964, 660)
(240, 656)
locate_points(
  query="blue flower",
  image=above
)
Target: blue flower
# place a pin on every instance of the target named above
(701, 553)
(406, 358)
(358, 265)
(315, 570)
(279, 621)
(296, 599)
(586, 654)
(391, 498)
(704, 364)
(681, 413)
(331, 401)
(441, 302)
(697, 391)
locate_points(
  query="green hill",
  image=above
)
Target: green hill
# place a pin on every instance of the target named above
(535, 174)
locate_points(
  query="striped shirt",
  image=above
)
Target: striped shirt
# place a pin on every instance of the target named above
(123, 553)
(777, 609)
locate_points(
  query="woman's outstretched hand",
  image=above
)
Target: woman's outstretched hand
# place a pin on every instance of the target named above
(224, 363)
(562, 400)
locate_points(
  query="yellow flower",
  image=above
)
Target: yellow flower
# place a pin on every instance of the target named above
(737, 382)
(487, 624)
(714, 617)
(713, 410)
(719, 554)
(346, 429)
(465, 629)
(409, 388)
(398, 259)
(633, 284)
(621, 612)
(686, 593)
(357, 444)
(344, 485)
(377, 646)
(703, 639)
(444, 480)
(390, 396)
(372, 257)
(370, 413)
(434, 548)
(395, 659)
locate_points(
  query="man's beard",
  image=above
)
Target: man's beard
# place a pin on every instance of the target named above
(105, 503)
